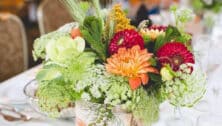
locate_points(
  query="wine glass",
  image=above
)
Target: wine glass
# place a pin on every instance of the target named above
(178, 119)
(201, 46)
(209, 120)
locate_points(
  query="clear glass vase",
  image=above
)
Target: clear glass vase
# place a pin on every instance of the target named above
(93, 114)
(30, 90)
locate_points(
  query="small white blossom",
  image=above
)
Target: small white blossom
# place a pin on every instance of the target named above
(86, 96)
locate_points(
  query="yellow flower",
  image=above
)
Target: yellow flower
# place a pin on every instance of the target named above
(120, 19)
(132, 63)
(153, 33)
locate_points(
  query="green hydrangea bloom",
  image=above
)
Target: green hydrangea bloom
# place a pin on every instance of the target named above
(40, 43)
(185, 89)
(55, 95)
(146, 107)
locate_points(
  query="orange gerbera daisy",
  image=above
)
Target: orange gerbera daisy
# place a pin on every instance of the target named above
(132, 63)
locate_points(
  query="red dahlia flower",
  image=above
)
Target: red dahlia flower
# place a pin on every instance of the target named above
(174, 54)
(125, 39)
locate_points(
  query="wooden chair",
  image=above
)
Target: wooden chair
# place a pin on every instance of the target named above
(51, 15)
(13, 46)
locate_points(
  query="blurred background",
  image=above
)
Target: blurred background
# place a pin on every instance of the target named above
(22, 21)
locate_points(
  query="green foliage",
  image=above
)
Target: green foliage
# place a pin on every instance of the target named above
(155, 83)
(160, 41)
(48, 74)
(147, 108)
(172, 34)
(153, 61)
(55, 95)
(146, 39)
(92, 31)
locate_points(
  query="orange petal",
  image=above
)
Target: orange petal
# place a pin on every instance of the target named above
(75, 33)
(134, 82)
(144, 79)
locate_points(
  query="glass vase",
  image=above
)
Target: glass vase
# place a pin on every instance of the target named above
(93, 114)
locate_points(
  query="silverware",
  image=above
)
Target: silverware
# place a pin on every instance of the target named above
(11, 114)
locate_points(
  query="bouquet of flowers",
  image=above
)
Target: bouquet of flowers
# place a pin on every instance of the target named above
(112, 72)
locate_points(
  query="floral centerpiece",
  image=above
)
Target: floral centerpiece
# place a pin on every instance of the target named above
(112, 72)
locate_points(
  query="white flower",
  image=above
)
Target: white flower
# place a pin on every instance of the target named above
(95, 92)
(86, 96)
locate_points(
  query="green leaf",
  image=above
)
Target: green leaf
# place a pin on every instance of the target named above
(146, 39)
(171, 33)
(159, 42)
(153, 61)
(155, 78)
(92, 32)
(47, 74)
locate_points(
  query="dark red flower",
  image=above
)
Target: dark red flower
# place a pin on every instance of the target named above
(157, 27)
(127, 39)
(174, 54)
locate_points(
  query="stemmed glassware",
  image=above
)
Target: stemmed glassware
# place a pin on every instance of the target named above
(201, 46)
(178, 119)
(213, 115)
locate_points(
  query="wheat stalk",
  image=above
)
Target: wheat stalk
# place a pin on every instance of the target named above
(74, 8)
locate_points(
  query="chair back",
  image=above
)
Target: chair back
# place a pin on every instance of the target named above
(52, 15)
(13, 46)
